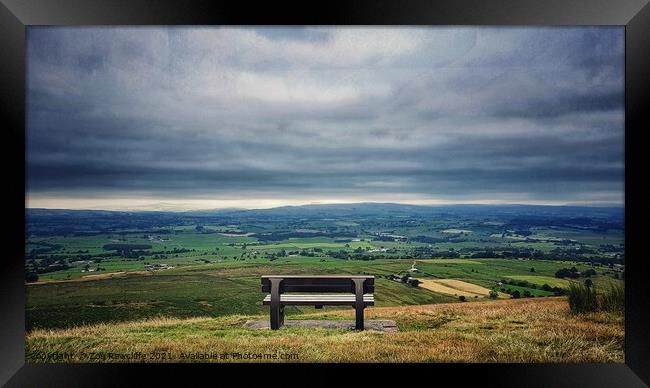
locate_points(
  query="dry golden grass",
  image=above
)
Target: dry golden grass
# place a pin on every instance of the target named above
(520, 330)
(449, 261)
(99, 276)
(464, 286)
(439, 287)
(454, 287)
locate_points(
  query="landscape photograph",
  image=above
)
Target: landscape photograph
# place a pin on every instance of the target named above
(325, 194)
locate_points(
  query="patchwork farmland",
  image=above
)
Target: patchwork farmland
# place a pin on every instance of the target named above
(94, 270)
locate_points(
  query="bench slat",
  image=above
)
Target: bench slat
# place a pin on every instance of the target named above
(294, 283)
(330, 299)
(318, 276)
(322, 297)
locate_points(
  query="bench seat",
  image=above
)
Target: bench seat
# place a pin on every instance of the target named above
(323, 300)
(341, 290)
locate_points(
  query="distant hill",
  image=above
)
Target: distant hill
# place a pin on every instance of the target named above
(65, 221)
(372, 208)
(401, 209)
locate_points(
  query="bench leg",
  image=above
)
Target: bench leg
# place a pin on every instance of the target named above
(277, 316)
(358, 291)
(277, 310)
(359, 320)
(281, 315)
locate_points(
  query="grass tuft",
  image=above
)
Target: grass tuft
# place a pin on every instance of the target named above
(613, 299)
(583, 299)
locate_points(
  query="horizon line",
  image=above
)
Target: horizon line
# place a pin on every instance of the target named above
(179, 208)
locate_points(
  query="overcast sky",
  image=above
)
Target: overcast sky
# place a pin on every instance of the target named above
(122, 118)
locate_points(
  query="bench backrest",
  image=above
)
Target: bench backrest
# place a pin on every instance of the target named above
(319, 283)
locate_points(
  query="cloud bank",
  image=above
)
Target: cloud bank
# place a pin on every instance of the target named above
(528, 115)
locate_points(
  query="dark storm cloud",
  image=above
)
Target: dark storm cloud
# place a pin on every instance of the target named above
(452, 113)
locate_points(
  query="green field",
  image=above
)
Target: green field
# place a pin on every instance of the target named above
(89, 267)
(233, 287)
(541, 280)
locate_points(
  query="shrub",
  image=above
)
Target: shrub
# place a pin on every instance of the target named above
(527, 294)
(31, 277)
(613, 299)
(516, 294)
(582, 298)
(462, 298)
(414, 282)
(567, 273)
(493, 295)
(588, 273)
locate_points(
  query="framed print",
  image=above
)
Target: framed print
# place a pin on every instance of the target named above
(376, 187)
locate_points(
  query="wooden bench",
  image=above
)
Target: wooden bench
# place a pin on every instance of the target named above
(358, 294)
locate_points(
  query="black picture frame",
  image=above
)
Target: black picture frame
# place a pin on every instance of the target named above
(15, 15)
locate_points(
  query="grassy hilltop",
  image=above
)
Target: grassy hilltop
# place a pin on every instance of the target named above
(515, 330)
